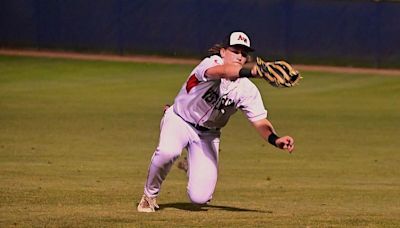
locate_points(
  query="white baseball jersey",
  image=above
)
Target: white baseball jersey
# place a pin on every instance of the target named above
(210, 103)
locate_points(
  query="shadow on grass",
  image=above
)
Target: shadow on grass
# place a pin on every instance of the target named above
(194, 207)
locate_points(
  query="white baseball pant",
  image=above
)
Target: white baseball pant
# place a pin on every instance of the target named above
(203, 147)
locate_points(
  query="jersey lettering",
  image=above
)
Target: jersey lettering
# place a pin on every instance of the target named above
(213, 98)
(224, 102)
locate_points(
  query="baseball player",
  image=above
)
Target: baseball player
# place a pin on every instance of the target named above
(214, 90)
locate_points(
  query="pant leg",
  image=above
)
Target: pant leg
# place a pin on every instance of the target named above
(203, 168)
(174, 136)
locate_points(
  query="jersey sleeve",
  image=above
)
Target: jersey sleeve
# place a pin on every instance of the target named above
(251, 103)
(199, 70)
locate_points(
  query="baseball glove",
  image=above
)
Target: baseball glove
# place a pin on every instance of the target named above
(278, 74)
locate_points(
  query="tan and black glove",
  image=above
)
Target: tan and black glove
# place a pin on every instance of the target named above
(279, 73)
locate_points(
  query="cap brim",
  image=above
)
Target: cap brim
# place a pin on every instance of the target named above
(248, 49)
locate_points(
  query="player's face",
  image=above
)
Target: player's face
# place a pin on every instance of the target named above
(234, 55)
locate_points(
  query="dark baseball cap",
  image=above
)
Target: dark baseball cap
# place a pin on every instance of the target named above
(238, 38)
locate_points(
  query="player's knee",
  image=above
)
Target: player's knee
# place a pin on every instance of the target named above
(198, 197)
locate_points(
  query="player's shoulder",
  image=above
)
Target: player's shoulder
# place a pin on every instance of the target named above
(213, 60)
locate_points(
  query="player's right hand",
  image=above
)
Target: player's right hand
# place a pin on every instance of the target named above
(285, 143)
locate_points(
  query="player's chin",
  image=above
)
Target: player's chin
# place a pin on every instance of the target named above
(238, 63)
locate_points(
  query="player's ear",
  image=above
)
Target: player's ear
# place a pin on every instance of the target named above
(222, 52)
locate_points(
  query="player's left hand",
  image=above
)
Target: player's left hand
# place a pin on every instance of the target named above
(285, 143)
(279, 74)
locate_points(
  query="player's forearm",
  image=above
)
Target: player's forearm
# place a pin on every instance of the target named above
(267, 132)
(228, 71)
(264, 128)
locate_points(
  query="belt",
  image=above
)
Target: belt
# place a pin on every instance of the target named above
(198, 127)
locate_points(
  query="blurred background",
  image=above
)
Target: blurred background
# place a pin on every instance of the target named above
(331, 32)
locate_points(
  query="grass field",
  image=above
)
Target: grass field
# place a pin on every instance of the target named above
(76, 138)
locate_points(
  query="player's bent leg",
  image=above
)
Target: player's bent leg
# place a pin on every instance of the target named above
(203, 170)
(160, 166)
(172, 140)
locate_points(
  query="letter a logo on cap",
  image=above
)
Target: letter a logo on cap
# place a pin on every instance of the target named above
(240, 38)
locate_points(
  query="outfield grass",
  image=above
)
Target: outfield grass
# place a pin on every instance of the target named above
(76, 138)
